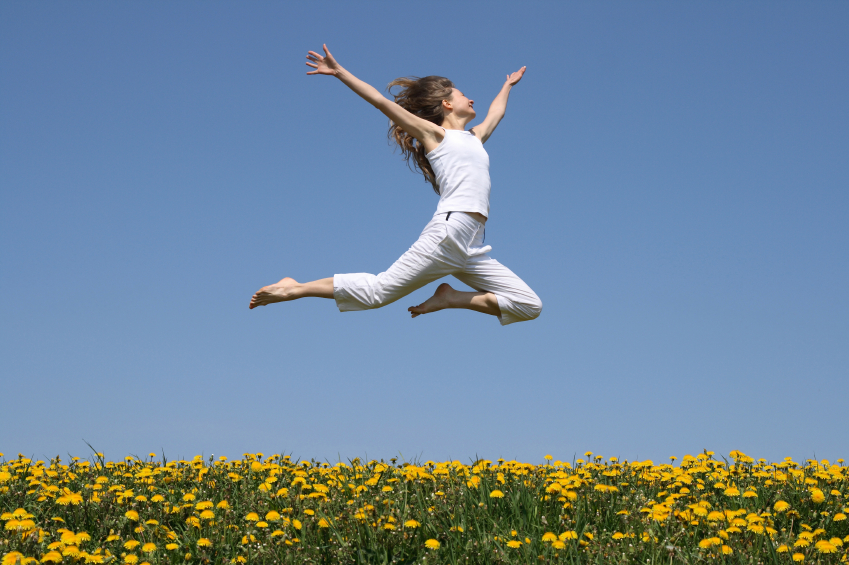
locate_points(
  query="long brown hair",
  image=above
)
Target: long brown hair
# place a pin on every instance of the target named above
(422, 97)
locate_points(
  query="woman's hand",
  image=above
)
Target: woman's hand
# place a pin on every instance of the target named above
(326, 65)
(515, 77)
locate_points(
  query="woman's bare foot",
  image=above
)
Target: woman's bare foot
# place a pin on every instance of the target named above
(286, 289)
(440, 300)
(447, 297)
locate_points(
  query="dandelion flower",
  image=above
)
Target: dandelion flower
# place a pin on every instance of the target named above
(12, 558)
(825, 547)
(272, 516)
(496, 494)
(203, 542)
(817, 496)
(781, 506)
(549, 536)
(432, 544)
(618, 535)
(411, 524)
(296, 524)
(798, 557)
(514, 544)
(224, 505)
(132, 515)
(171, 546)
(839, 517)
(131, 559)
(568, 535)
(558, 544)
(51, 557)
(131, 544)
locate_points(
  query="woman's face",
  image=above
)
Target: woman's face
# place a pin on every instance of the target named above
(461, 105)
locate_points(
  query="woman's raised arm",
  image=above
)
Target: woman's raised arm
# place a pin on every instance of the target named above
(498, 107)
(409, 122)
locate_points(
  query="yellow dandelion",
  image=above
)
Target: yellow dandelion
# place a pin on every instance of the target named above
(411, 524)
(515, 544)
(224, 505)
(309, 512)
(825, 547)
(262, 524)
(207, 515)
(171, 546)
(781, 506)
(148, 548)
(496, 494)
(323, 523)
(272, 516)
(558, 544)
(836, 542)
(252, 517)
(132, 515)
(802, 542)
(188, 497)
(296, 524)
(817, 496)
(727, 550)
(385, 526)
(549, 536)
(51, 557)
(205, 505)
(131, 558)
(12, 558)
(387, 489)
(839, 517)
(203, 542)
(568, 535)
(618, 535)
(432, 544)
(132, 544)
(798, 557)
(277, 533)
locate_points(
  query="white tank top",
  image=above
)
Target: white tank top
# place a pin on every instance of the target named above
(461, 165)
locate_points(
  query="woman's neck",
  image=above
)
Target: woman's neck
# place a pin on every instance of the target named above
(452, 122)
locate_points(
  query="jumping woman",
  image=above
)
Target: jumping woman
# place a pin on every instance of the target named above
(428, 121)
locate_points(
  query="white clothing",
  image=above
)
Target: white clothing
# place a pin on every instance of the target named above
(461, 166)
(450, 245)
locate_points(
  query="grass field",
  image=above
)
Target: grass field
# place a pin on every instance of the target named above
(276, 510)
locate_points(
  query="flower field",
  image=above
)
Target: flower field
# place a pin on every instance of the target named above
(276, 510)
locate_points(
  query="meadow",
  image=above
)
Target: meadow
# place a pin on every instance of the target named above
(258, 509)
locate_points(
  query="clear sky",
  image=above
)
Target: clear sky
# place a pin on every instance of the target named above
(672, 179)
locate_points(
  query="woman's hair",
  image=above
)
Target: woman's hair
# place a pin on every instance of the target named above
(422, 97)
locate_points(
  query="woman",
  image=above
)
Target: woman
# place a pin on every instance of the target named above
(428, 120)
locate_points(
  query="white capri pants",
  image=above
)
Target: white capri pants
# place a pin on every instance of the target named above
(447, 246)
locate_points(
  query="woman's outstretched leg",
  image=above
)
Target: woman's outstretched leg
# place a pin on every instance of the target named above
(447, 297)
(290, 289)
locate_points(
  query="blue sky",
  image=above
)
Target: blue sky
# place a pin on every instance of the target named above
(672, 179)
